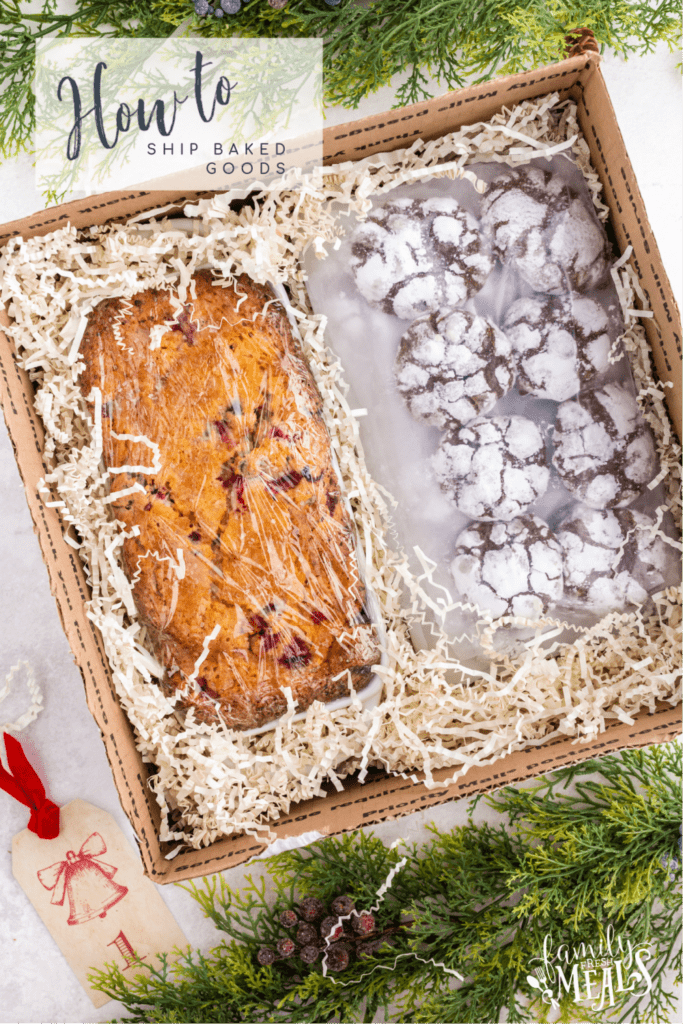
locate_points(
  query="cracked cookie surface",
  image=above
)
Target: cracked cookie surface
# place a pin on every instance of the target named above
(413, 256)
(545, 230)
(510, 568)
(494, 467)
(452, 366)
(612, 560)
(604, 450)
(561, 342)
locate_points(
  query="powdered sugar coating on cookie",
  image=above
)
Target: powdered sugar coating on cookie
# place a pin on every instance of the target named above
(542, 227)
(510, 568)
(604, 451)
(612, 560)
(452, 366)
(410, 257)
(561, 341)
(493, 468)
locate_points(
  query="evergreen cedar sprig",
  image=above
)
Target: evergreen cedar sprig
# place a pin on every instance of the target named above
(20, 27)
(365, 44)
(571, 857)
(456, 41)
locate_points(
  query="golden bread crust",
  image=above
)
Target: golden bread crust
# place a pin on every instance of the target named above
(246, 496)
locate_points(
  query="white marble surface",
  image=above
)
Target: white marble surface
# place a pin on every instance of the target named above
(35, 982)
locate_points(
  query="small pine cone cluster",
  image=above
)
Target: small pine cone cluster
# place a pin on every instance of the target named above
(319, 934)
(220, 7)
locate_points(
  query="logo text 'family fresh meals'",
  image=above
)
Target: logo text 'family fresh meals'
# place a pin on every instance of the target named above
(158, 113)
(591, 973)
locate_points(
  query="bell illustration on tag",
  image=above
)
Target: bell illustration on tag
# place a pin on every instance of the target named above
(87, 882)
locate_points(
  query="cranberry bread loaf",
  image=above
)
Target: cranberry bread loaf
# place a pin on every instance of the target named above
(244, 566)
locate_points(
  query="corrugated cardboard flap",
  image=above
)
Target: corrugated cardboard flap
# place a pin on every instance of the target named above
(381, 796)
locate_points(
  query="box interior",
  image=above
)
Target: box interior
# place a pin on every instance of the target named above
(381, 797)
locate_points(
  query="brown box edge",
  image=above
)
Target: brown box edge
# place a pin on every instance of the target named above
(390, 797)
(579, 76)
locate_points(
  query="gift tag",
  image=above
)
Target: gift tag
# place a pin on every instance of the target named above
(84, 879)
(88, 887)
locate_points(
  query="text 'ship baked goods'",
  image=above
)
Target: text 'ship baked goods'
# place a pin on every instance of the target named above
(240, 547)
(612, 560)
(604, 451)
(452, 366)
(543, 228)
(411, 257)
(510, 568)
(493, 468)
(561, 341)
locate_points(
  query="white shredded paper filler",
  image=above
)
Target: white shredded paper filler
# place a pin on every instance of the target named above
(435, 712)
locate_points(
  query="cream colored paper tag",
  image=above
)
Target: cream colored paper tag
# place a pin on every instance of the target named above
(88, 887)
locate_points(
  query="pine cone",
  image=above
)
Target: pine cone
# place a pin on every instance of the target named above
(286, 947)
(373, 946)
(364, 950)
(338, 957)
(266, 956)
(331, 929)
(309, 954)
(311, 908)
(342, 905)
(277, 4)
(288, 919)
(307, 934)
(580, 40)
(364, 923)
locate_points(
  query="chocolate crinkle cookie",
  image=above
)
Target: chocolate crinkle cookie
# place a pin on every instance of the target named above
(561, 342)
(493, 468)
(453, 366)
(604, 450)
(546, 231)
(411, 257)
(510, 568)
(612, 560)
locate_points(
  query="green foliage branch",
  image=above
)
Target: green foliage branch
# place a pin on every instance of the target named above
(457, 41)
(571, 857)
(20, 28)
(366, 43)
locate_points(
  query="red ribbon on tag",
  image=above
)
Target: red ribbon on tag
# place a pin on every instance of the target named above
(25, 786)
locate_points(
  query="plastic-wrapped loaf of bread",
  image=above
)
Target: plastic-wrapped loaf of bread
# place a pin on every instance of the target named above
(244, 558)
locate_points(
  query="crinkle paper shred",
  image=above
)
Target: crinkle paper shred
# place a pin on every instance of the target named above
(435, 712)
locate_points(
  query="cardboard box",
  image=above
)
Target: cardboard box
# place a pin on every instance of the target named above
(381, 796)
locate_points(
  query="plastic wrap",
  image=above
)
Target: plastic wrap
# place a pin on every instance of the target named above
(489, 420)
(437, 710)
(241, 551)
